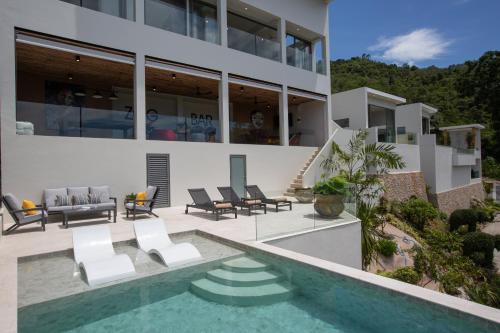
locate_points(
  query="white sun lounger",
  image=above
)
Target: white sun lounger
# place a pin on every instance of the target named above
(94, 253)
(152, 238)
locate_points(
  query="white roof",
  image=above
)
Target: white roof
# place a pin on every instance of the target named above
(385, 96)
(429, 109)
(462, 127)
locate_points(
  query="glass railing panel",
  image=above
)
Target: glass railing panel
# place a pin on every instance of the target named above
(205, 28)
(167, 15)
(163, 127)
(74, 121)
(321, 67)
(120, 8)
(299, 58)
(246, 42)
(467, 151)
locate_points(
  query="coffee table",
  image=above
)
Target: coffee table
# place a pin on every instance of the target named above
(67, 214)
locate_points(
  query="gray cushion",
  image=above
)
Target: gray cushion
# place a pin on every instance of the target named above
(150, 192)
(140, 208)
(102, 191)
(32, 218)
(14, 204)
(56, 209)
(78, 191)
(49, 195)
(104, 205)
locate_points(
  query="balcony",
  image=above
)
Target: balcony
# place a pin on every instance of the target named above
(120, 8)
(250, 43)
(464, 157)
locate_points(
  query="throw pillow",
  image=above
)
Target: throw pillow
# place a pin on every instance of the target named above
(140, 196)
(28, 204)
(95, 198)
(62, 200)
(80, 199)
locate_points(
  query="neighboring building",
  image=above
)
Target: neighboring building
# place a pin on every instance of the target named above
(449, 165)
(180, 93)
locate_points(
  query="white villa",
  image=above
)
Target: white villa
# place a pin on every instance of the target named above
(448, 164)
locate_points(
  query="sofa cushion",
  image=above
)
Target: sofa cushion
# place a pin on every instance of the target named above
(32, 218)
(225, 205)
(150, 192)
(102, 192)
(130, 205)
(104, 205)
(50, 195)
(78, 191)
(14, 204)
(58, 209)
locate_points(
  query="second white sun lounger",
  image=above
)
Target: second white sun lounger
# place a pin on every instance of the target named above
(94, 253)
(152, 238)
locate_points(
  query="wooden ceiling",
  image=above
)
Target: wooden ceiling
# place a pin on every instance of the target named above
(249, 95)
(59, 65)
(184, 85)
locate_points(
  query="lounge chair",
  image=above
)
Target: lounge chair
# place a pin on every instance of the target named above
(19, 214)
(203, 201)
(94, 253)
(230, 195)
(152, 238)
(256, 194)
(142, 206)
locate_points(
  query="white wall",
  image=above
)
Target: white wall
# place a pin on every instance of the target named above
(352, 104)
(410, 116)
(411, 156)
(340, 244)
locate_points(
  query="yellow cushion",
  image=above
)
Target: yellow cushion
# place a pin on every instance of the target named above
(28, 204)
(140, 196)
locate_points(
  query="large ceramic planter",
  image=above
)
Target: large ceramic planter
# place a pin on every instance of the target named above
(304, 195)
(329, 206)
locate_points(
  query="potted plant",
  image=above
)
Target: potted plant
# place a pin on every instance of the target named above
(304, 195)
(130, 196)
(330, 196)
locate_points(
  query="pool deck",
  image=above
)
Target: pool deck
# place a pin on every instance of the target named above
(30, 240)
(242, 232)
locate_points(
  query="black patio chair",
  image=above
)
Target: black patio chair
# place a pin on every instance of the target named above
(230, 195)
(19, 214)
(143, 206)
(202, 201)
(256, 194)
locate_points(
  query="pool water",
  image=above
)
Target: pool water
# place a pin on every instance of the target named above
(323, 303)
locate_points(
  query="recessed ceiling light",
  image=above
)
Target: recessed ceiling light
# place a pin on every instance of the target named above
(77, 58)
(80, 93)
(70, 77)
(174, 76)
(242, 89)
(113, 96)
(154, 89)
(298, 29)
(246, 8)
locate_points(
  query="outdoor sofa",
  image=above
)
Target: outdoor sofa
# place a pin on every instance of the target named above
(79, 200)
(256, 194)
(202, 201)
(229, 195)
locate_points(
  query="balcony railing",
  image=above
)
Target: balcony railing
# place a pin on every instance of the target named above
(299, 58)
(250, 43)
(407, 138)
(121, 8)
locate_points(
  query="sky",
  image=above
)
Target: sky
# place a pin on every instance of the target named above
(417, 32)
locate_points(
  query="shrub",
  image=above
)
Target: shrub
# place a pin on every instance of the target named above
(479, 247)
(461, 217)
(418, 212)
(484, 216)
(497, 242)
(387, 247)
(406, 274)
(332, 186)
(451, 281)
(482, 293)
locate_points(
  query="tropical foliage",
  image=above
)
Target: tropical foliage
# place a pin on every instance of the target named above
(335, 185)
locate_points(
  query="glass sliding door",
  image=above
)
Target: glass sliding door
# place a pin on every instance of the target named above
(238, 170)
(299, 52)
(384, 120)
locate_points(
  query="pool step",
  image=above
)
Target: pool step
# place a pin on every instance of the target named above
(245, 265)
(242, 296)
(237, 279)
(243, 281)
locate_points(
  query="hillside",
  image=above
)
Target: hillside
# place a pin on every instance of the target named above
(464, 93)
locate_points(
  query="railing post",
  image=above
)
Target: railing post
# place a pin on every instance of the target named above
(222, 19)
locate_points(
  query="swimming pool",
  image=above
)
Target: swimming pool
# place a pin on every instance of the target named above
(323, 302)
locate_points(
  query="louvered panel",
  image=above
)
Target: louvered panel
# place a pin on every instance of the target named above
(158, 174)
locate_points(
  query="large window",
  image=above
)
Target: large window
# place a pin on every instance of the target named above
(306, 119)
(69, 94)
(299, 52)
(173, 15)
(252, 37)
(254, 115)
(384, 120)
(181, 107)
(121, 8)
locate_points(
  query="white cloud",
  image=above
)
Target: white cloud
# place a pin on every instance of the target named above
(419, 45)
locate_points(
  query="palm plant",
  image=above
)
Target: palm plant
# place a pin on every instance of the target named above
(362, 165)
(368, 217)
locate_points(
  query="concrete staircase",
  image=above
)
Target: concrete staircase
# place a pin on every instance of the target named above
(243, 281)
(297, 182)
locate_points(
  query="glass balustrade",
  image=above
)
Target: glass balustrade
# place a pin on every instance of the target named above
(121, 8)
